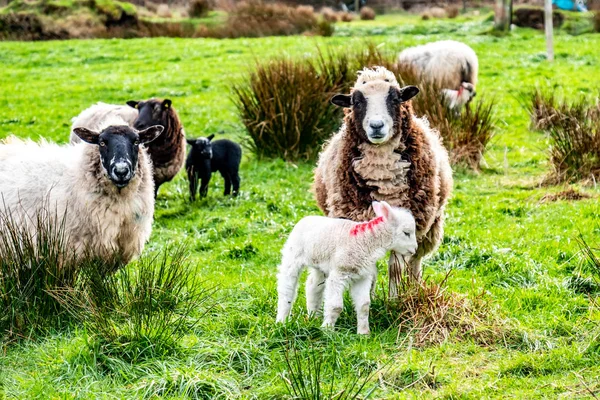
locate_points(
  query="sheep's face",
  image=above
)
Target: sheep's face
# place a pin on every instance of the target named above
(375, 106)
(403, 224)
(119, 149)
(151, 113)
(202, 147)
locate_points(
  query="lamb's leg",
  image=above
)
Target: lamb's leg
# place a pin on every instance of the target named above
(235, 177)
(334, 298)
(193, 179)
(361, 296)
(315, 285)
(204, 186)
(287, 287)
(227, 179)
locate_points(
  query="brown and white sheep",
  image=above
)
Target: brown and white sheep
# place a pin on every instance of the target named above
(167, 152)
(385, 153)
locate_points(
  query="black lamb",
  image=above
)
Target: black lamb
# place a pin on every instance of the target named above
(205, 157)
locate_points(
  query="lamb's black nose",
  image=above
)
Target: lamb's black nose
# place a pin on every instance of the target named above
(376, 124)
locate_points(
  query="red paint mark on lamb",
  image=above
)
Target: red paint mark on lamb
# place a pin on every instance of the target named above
(362, 228)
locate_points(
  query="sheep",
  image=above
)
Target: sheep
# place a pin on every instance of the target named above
(101, 191)
(205, 157)
(447, 64)
(167, 152)
(383, 152)
(341, 253)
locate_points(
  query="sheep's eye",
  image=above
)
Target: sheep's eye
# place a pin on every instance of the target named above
(407, 234)
(137, 142)
(387, 80)
(102, 143)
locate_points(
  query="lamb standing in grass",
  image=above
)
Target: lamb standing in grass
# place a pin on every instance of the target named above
(341, 253)
(101, 191)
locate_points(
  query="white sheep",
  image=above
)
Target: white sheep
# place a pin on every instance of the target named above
(95, 116)
(103, 194)
(448, 64)
(341, 253)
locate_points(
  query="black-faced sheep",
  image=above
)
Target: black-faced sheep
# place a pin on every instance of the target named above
(206, 156)
(102, 193)
(448, 64)
(383, 152)
(167, 152)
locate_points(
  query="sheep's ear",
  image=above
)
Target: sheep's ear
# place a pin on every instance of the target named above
(87, 135)
(408, 92)
(382, 209)
(211, 137)
(133, 103)
(191, 142)
(342, 100)
(149, 134)
(166, 103)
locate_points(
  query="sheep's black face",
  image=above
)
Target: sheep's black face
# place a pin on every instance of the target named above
(375, 108)
(202, 147)
(151, 113)
(119, 149)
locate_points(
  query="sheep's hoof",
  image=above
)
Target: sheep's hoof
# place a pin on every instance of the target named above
(363, 331)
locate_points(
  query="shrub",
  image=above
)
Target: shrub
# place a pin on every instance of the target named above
(367, 14)
(574, 134)
(199, 8)
(255, 18)
(32, 268)
(285, 108)
(329, 14)
(163, 11)
(452, 11)
(143, 310)
(597, 21)
(346, 17)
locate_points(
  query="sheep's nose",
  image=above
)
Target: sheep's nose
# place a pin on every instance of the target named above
(376, 124)
(122, 170)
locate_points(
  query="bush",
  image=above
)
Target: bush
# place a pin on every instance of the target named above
(285, 108)
(329, 14)
(533, 17)
(163, 11)
(452, 11)
(597, 21)
(199, 8)
(346, 17)
(255, 18)
(367, 14)
(574, 134)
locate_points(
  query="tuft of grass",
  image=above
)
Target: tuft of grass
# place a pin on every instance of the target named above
(143, 310)
(367, 14)
(574, 134)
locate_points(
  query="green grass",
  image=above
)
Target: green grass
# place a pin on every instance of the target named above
(499, 239)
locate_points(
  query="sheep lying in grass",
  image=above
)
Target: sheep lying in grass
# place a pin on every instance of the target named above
(384, 152)
(103, 193)
(206, 157)
(341, 253)
(448, 64)
(167, 152)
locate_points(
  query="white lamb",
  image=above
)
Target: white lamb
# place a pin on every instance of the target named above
(341, 253)
(103, 193)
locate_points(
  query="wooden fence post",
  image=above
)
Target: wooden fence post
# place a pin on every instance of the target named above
(548, 26)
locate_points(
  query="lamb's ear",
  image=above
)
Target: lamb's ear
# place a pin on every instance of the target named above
(87, 135)
(408, 92)
(166, 103)
(149, 134)
(133, 103)
(191, 142)
(382, 209)
(211, 137)
(342, 100)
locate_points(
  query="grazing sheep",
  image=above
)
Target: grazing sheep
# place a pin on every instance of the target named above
(383, 152)
(447, 64)
(167, 152)
(206, 156)
(102, 192)
(341, 253)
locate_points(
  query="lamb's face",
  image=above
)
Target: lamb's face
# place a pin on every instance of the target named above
(119, 148)
(376, 105)
(201, 147)
(403, 224)
(152, 112)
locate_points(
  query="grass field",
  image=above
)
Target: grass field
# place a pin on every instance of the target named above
(501, 243)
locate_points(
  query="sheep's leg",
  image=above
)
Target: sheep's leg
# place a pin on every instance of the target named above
(227, 179)
(416, 271)
(315, 285)
(193, 179)
(287, 287)
(204, 186)
(235, 177)
(334, 298)
(360, 291)
(395, 272)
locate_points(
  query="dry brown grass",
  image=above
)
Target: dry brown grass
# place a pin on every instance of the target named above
(329, 14)
(367, 14)
(452, 11)
(163, 11)
(566, 195)
(199, 8)
(346, 17)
